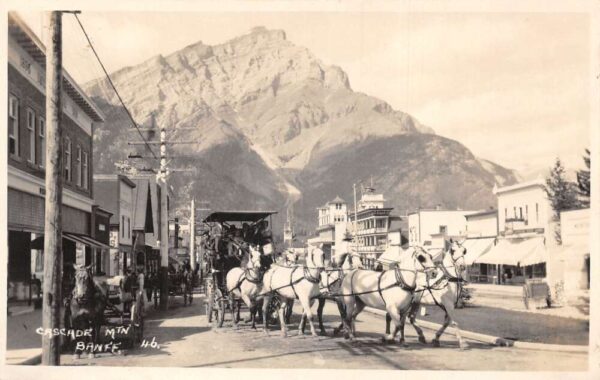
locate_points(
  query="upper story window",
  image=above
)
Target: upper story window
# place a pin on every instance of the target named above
(31, 131)
(41, 78)
(42, 135)
(443, 229)
(68, 172)
(78, 171)
(13, 125)
(85, 171)
(26, 65)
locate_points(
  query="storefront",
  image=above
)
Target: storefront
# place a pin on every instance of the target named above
(512, 261)
(477, 247)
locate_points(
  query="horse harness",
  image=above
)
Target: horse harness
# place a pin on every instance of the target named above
(255, 277)
(400, 282)
(306, 276)
(443, 281)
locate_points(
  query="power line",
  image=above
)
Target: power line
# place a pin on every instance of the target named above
(113, 86)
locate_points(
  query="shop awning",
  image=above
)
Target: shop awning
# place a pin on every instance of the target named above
(521, 252)
(85, 240)
(476, 248)
(38, 243)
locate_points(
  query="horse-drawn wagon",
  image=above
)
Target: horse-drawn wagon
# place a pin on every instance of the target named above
(227, 244)
(109, 308)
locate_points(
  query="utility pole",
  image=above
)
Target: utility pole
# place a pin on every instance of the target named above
(164, 223)
(193, 236)
(355, 222)
(161, 177)
(52, 297)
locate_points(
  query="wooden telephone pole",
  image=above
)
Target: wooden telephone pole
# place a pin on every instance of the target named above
(193, 236)
(52, 297)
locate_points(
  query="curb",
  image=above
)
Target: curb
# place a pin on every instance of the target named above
(494, 340)
(21, 312)
(34, 360)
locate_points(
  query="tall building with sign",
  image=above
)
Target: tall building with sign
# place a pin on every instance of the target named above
(26, 131)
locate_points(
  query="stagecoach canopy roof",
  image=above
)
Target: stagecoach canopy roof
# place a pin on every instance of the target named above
(238, 216)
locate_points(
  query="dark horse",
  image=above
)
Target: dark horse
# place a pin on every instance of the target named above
(187, 285)
(86, 307)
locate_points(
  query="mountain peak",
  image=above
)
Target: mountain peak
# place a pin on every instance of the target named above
(276, 34)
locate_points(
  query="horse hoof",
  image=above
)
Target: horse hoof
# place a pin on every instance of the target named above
(463, 346)
(435, 343)
(314, 335)
(284, 335)
(422, 340)
(402, 343)
(76, 356)
(91, 355)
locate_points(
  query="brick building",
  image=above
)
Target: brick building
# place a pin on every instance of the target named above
(26, 131)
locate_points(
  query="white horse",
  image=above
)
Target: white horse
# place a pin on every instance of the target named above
(301, 282)
(331, 282)
(444, 291)
(391, 290)
(246, 284)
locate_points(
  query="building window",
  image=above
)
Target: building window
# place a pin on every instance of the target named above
(68, 173)
(128, 228)
(526, 214)
(42, 134)
(13, 125)
(78, 171)
(41, 78)
(443, 229)
(26, 65)
(123, 226)
(31, 131)
(515, 212)
(505, 213)
(521, 213)
(85, 170)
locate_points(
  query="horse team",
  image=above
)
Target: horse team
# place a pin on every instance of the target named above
(399, 291)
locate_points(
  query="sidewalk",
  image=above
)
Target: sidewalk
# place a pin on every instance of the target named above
(510, 297)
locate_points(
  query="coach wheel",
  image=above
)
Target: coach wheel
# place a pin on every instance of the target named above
(220, 307)
(209, 306)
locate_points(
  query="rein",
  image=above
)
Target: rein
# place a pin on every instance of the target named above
(443, 281)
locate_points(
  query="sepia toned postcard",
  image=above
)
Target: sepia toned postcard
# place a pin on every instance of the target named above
(271, 189)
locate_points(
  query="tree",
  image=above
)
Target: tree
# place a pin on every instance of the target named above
(561, 193)
(583, 180)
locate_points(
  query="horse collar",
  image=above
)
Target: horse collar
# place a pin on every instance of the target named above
(310, 278)
(402, 282)
(254, 276)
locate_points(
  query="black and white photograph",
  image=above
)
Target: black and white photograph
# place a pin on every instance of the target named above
(300, 186)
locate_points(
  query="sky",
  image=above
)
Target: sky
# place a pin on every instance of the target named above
(512, 87)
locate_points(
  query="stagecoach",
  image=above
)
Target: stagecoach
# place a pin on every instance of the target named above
(225, 244)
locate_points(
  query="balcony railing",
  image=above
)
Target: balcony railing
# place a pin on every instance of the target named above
(372, 248)
(371, 231)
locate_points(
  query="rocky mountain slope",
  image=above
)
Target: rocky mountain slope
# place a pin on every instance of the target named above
(274, 125)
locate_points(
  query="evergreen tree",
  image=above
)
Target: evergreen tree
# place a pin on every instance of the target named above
(561, 193)
(583, 180)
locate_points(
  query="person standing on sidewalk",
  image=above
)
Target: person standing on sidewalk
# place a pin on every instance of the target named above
(141, 286)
